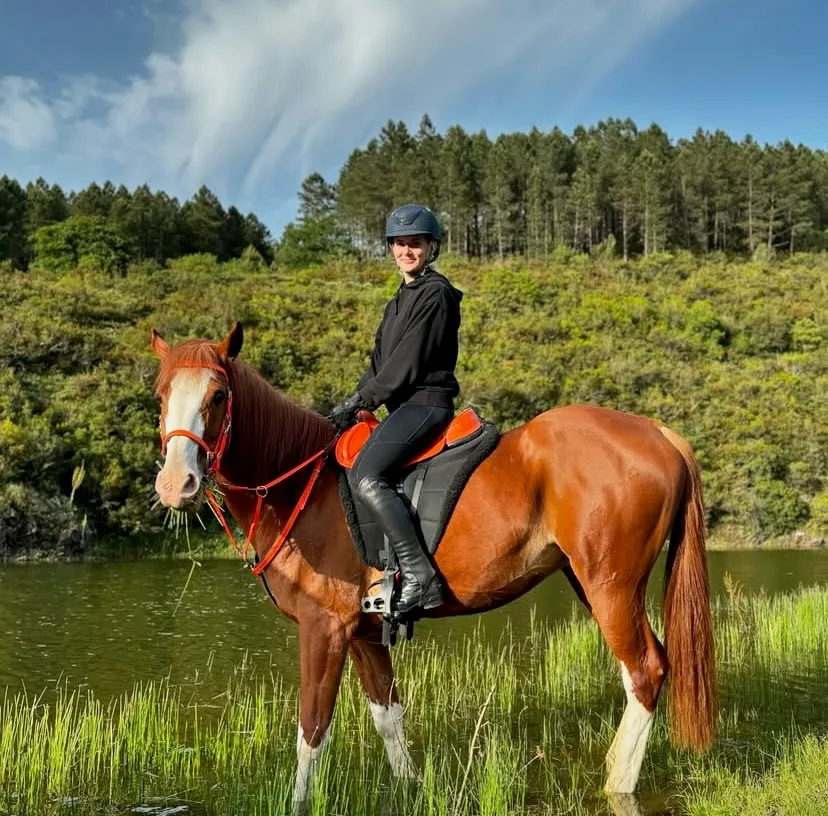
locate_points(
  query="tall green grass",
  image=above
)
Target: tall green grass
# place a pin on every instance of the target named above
(516, 726)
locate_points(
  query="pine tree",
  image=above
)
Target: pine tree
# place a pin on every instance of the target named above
(458, 204)
(44, 205)
(366, 198)
(619, 155)
(768, 217)
(317, 198)
(520, 163)
(94, 200)
(797, 205)
(724, 161)
(583, 209)
(695, 189)
(204, 218)
(426, 165)
(257, 235)
(752, 192)
(498, 191)
(560, 154)
(233, 237)
(398, 160)
(12, 222)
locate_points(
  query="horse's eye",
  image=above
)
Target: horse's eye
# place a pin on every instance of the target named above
(218, 398)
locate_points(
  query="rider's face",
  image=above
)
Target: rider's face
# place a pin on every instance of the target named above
(411, 253)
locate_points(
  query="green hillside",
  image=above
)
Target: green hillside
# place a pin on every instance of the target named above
(732, 354)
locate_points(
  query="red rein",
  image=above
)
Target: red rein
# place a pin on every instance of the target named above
(214, 457)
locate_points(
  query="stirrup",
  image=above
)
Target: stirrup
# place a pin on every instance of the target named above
(380, 604)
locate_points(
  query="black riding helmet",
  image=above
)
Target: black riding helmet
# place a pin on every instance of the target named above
(413, 219)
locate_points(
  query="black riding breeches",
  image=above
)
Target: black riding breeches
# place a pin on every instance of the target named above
(396, 440)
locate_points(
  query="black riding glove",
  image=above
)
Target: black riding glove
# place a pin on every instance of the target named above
(344, 414)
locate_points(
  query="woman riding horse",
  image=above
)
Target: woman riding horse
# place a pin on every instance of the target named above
(412, 374)
(590, 491)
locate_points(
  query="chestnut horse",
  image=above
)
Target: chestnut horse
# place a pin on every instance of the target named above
(591, 491)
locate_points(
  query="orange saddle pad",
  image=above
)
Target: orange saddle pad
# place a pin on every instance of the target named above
(464, 425)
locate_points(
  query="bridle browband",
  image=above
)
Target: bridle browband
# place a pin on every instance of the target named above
(214, 457)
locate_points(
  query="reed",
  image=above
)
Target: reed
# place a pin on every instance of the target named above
(517, 726)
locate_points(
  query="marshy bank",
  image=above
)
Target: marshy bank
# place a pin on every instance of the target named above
(504, 714)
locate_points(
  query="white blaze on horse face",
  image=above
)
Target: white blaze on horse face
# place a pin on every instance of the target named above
(626, 754)
(180, 477)
(307, 760)
(388, 720)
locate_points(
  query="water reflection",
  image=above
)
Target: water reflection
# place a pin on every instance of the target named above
(625, 804)
(106, 626)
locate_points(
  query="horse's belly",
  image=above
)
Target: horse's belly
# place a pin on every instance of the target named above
(507, 576)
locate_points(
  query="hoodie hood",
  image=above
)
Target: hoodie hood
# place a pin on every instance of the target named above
(429, 277)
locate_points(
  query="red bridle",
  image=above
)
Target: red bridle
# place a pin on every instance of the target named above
(214, 456)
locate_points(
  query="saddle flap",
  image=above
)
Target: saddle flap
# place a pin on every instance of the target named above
(464, 427)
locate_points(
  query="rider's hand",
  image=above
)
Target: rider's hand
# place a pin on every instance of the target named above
(344, 414)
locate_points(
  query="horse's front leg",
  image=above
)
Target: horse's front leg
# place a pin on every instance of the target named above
(323, 644)
(373, 664)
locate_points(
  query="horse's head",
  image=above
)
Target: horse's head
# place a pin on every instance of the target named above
(194, 391)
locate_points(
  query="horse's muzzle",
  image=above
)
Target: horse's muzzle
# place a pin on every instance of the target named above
(177, 488)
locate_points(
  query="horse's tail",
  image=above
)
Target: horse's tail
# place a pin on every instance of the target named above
(688, 628)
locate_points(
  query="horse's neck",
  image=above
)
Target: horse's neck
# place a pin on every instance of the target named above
(270, 435)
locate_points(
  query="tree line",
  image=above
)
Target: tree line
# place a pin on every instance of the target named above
(611, 187)
(115, 226)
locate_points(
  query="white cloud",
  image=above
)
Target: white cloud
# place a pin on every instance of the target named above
(26, 120)
(258, 86)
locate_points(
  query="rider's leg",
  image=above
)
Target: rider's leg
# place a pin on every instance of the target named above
(396, 440)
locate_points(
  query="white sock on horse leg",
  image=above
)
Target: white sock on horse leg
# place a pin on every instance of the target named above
(388, 720)
(626, 754)
(307, 759)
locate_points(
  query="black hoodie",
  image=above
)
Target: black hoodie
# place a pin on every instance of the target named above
(415, 349)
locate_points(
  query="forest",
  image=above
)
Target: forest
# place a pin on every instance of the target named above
(607, 187)
(610, 188)
(109, 228)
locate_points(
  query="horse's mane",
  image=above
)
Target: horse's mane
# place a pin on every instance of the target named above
(269, 428)
(270, 433)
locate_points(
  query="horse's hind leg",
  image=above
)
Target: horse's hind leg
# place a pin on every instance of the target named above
(576, 585)
(619, 610)
(643, 669)
(373, 664)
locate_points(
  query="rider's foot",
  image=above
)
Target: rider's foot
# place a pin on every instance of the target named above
(413, 596)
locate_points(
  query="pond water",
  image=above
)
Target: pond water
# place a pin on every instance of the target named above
(104, 626)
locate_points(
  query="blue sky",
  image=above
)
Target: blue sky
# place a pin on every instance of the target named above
(249, 96)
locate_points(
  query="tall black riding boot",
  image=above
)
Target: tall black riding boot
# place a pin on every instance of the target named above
(421, 586)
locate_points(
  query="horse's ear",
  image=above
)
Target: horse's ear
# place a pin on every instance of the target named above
(159, 344)
(229, 348)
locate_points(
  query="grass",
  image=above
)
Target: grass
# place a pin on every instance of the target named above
(517, 726)
(797, 786)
